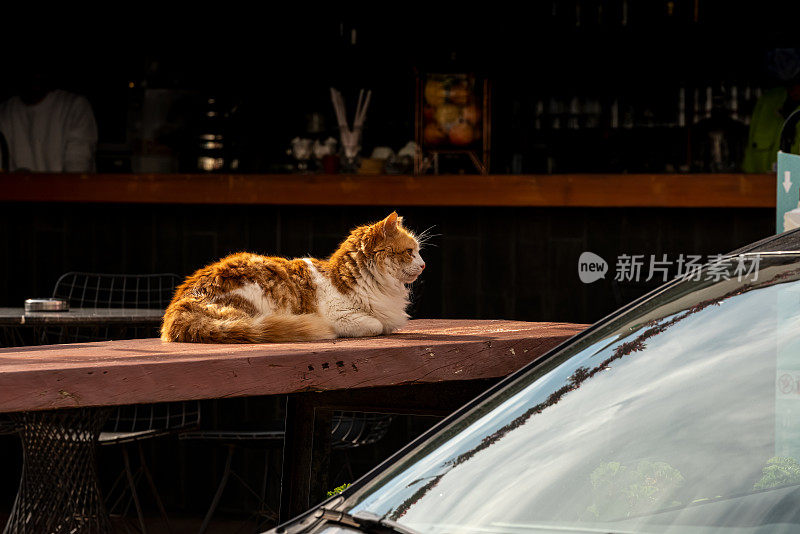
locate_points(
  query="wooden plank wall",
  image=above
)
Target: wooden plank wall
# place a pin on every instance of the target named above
(487, 263)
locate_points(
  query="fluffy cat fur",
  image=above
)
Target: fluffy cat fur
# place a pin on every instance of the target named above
(360, 290)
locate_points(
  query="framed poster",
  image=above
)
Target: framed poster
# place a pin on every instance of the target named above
(452, 118)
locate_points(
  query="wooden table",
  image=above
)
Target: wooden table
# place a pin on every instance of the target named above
(81, 317)
(431, 367)
(19, 328)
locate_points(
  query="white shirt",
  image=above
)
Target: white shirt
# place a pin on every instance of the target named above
(59, 134)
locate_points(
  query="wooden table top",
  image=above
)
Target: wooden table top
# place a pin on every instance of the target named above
(149, 370)
(80, 316)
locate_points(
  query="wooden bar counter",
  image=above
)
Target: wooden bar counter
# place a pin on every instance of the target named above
(560, 190)
(148, 370)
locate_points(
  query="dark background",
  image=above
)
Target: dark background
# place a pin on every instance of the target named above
(276, 66)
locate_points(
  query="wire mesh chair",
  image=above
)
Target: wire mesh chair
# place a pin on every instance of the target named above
(127, 425)
(106, 291)
(250, 434)
(350, 430)
(10, 336)
(356, 429)
(138, 291)
(265, 439)
(58, 489)
(132, 425)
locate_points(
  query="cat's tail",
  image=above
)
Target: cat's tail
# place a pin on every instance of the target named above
(192, 322)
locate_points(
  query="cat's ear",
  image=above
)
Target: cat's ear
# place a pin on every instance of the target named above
(389, 224)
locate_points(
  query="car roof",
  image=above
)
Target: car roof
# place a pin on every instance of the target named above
(785, 242)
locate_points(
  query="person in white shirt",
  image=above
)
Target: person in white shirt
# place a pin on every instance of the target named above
(48, 130)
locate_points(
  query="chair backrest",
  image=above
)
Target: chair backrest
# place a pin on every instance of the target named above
(144, 421)
(355, 429)
(96, 290)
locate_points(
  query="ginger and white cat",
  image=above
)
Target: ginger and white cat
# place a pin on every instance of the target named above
(360, 290)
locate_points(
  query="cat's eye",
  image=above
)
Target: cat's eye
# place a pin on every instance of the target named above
(410, 250)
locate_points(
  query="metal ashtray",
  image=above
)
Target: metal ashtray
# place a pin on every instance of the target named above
(46, 305)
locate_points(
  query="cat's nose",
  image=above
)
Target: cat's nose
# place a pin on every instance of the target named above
(422, 267)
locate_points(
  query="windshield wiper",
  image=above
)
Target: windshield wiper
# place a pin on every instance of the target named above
(364, 521)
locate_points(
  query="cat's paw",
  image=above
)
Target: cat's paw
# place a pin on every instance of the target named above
(360, 326)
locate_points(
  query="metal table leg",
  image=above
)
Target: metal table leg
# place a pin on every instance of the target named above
(58, 491)
(306, 453)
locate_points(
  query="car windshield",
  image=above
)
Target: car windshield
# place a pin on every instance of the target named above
(681, 414)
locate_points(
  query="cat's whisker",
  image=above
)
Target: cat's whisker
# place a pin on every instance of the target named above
(429, 237)
(425, 241)
(424, 233)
